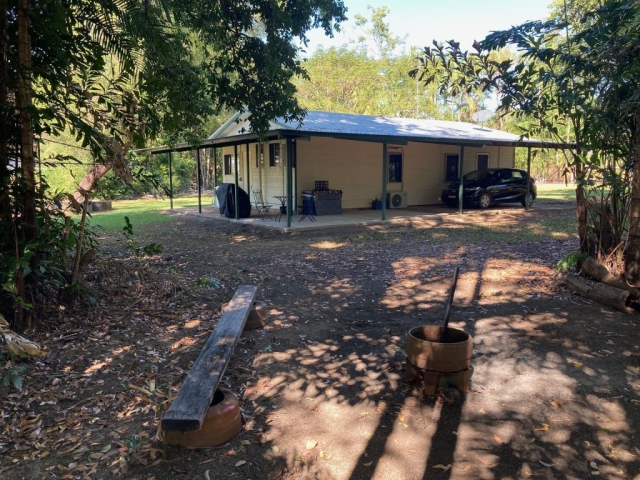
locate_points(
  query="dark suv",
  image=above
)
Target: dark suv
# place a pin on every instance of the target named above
(493, 185)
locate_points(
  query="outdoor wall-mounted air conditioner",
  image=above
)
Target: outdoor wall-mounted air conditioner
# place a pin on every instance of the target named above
(397, 200)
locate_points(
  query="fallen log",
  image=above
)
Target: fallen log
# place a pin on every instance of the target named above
(599, 272)
(610, 296)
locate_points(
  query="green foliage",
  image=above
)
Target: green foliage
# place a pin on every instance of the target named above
(569, 261)
(13, 377)
(210, 282)
(147, 250)
(43, 269)
(369, 76)
(571, 81)
(109, 75)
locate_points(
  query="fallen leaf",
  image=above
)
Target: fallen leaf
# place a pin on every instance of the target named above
(275, 448)
(545, 464)
(229, 453)
(311, 444)
(481, 411)
(576, 364)
(324, 455)
(497, 439)
(244, 443)
(443, 467)
(543, 428)
(555, 403)
(594, 465)
(368, 464)
(206, 475)
(240, 463)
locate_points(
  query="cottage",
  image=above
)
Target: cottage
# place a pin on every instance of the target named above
(365, 158)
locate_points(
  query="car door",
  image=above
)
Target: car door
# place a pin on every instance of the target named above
(518, 185)
(500, 189)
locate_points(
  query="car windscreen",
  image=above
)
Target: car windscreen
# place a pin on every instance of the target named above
(478, 175)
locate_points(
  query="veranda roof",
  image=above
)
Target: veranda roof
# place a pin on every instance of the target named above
(347, 126)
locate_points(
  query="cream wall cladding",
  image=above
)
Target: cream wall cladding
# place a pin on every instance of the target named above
(355, 167)
(351, 166)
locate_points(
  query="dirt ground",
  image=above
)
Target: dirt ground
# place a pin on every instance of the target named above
(555, 387)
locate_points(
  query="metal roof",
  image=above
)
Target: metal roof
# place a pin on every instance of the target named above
(348, 126)
(429, 130)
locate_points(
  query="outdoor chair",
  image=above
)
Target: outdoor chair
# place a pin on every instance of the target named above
(262, 208)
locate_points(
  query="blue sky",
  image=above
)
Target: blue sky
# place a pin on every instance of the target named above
(425, 20)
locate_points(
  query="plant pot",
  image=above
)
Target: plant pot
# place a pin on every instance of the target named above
(424, 349)
(221, 424)
(436, 362)
(257, 316)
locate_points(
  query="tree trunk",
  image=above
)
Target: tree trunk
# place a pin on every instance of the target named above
(604, 294)
(26, 221)
(116, 160)
(599, 272)
(87, 183)
(27, 157)
(581, 210)
(632, 248)
(5, 203)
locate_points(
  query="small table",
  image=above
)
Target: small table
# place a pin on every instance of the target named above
(283, 205)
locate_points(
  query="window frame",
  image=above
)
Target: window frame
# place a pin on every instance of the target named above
(228, 162)
(450, 178)
(395, 166)
(259, 154)
(274, 159)
(482, 154)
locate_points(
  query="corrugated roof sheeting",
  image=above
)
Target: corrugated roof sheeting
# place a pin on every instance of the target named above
(366, 127)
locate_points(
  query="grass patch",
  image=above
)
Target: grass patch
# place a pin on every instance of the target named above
(140, 212)
(556, 192)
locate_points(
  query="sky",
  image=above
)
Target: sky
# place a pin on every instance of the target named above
(426, 20)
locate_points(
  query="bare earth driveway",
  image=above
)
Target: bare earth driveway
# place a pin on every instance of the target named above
(555, 385)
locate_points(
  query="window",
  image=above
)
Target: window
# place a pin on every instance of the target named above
(517, 175)
(505, 175)
(483, 161)
(259, 154)
(274, 154)
(451, 167)
(228, 164)
(395, 167)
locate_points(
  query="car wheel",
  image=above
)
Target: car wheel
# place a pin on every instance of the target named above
(485, 200)
(529, 200)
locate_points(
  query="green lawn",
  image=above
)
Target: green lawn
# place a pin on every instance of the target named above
(556, 192)
(141, 212)
(147, 211)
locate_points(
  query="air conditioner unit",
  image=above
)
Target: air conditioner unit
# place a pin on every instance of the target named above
(397, 200)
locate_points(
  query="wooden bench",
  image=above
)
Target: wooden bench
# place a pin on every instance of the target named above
(188, 410)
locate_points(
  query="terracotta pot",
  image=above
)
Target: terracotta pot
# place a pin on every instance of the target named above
(257, 316)
(222, 423)
(425, 351)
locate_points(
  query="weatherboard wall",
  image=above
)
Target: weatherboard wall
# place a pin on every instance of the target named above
(355, 167)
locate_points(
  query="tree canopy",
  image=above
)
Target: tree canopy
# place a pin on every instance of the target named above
(582, 76)
(119, 73)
